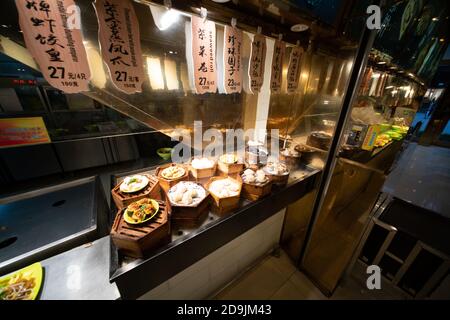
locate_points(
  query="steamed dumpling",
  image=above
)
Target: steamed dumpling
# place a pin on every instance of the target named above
(181, 188)
(249, 172)
(177, 196)
(260, 176)
(187, 199)
(249, 178)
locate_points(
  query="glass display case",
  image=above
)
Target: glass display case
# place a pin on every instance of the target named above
(166, 206)
(305, 119)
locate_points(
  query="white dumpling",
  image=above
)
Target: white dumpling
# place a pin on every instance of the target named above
(249, 172)
(187, 199)
(194, 193)
(249, 178)
(234, 187)
(224, 193)
(260, 178)
(177, 196)
(181, 188)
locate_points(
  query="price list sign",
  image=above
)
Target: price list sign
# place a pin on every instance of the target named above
(232, 60)
(277, 66)
(55, 43)
(120, 43)
(257, 61)
(203, 34)
(294, 69)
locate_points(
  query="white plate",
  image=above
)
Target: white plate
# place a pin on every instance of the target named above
(134, 187)
(201, 193)
(181, 169)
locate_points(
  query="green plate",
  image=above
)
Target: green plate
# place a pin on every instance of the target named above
(130, 221)
(34, 270)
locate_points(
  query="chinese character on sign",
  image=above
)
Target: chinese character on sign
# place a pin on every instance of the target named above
(256, 67)
(202, 35)
(120, 43)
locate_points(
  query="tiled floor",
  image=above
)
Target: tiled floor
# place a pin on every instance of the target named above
(276, 278)
(273, 278)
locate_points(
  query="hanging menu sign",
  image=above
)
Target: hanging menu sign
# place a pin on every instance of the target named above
(203, 33)
(257, 61)
(120, 43)
(55, 44)
(277, 66)
(294, 69)
(232, 60)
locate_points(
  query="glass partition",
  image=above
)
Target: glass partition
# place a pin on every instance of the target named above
(306, 118)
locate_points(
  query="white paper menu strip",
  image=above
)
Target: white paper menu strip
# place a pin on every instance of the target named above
(277, 66)
(201, 55)
(55, 44)
(294, 69)
(232, 60)
(120, 43)
(257, 62)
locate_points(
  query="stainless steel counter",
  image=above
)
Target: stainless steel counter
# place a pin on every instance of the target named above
(79, 274)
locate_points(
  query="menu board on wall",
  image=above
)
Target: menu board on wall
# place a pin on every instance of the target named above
(120, 43)
(294, 69)
(232, 60)
(55, 43)
(277, 66)
(22, 131)
(257, 62)
(201, 55)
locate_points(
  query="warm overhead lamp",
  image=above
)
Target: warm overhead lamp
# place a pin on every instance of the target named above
(164, 17)
(299, 27)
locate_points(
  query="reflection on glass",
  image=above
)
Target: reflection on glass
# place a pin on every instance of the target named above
(155, 73)
(96, 65)
(170, 70)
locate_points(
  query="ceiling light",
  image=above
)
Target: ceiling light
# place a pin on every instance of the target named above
(299, 27)
(163, 16)
(381, 62)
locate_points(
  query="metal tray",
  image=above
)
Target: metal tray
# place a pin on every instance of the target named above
(134, 277)
(39, 224)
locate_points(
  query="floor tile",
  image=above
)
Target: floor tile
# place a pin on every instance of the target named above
(288, 292)
(306, 287)
(283, 263)
(259, 283)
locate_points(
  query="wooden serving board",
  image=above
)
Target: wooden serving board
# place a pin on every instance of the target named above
(138, 240)
(191, 217)
(232, 168)
(254, 192)
(166, 184)
(123, 199)
(224, 205)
